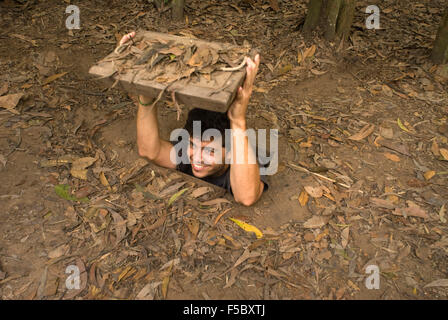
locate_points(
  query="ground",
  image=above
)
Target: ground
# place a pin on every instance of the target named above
(362, 180)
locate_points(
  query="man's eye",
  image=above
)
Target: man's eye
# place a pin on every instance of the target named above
(209, 150)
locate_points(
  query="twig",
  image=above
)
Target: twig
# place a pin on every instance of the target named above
(240, 66)
(179, 110)
(297, 167)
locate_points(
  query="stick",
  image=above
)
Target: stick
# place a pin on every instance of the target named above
(297, 167)
(240, 66)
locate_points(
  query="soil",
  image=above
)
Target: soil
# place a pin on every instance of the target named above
(382, 194)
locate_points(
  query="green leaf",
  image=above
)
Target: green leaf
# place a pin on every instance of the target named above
(175, 196)
(63, 191)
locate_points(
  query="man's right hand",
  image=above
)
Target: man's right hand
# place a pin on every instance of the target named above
(124, 39)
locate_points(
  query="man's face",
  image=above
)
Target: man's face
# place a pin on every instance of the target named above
(205, 159)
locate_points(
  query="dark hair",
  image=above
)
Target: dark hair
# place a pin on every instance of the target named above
(209, 120)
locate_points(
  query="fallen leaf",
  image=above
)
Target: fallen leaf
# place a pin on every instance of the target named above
(63, 191)
(4, 89)
(214, 201)
(412, 210)
(444, 153)
(193, 226)
(248, 227)
(315, 192)
(442, 214)
(309, 52)
(165, 284)
(200, 192)
(344, 236)
(53, 78)
(10, 101)
(363, 133)
(3, 160)
(148, 292)
(120, 226)
(437, 283)
(392, 157)
(58, 252)
(303, 198)
(104, 181)
(429, 174)
(175, 196)
(435, 148)
(382, 203)
(316, 222)
(402, 126)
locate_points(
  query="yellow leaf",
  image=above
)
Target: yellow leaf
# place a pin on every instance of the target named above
(104, 181)
(392, 157)
(176, 195)
(248, 227)
(391, 197)
(299, 57)
(402, 126)
(429, 174)
(165, 283)
(435, 148)
(53, 77)
(303, 198)
(444, 153)
(363, 133)
(309, 52)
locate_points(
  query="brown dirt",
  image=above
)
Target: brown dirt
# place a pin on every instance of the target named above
(376, 78)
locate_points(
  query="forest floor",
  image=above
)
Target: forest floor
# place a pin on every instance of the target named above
(363, 153)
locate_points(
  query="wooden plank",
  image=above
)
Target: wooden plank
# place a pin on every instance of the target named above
(215, 94)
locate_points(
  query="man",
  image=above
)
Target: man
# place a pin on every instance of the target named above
(242, 176)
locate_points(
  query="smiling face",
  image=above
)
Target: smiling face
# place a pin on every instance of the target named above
(205, 158)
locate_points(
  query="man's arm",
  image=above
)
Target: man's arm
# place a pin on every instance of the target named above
(148, 140)
(149, 143)
(245, 180)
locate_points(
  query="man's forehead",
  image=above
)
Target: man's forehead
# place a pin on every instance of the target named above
(198, 141)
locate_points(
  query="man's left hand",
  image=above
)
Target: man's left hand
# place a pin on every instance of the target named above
(237, 111)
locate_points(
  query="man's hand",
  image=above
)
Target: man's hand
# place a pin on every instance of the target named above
(126, 38)
(237, 111)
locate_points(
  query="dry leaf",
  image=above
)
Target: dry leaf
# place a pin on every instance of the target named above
(345, 235)
(316, 222)
(438, 283)
(214, 201)
(10, 101)
(200, 192)
(429, 174)
(149, 291)
(104, 181)
(58, 252)
(363, 133)
(435, 148)
(53, 78)
(193, 226)
(79, 166)
(382, 203)
(444, 153)
(315, 192)
(303, 198)
(165, 284)
(309, 52)
(392, 157)
(412, 210)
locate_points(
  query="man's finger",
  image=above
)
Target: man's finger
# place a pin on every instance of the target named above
(127, 37)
